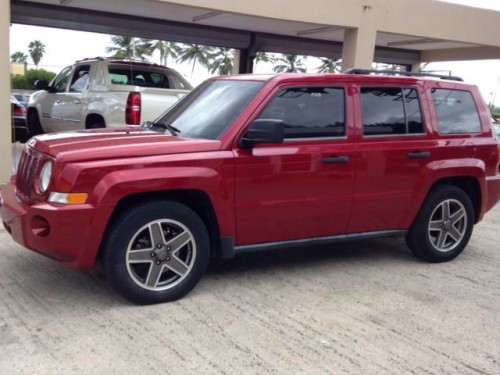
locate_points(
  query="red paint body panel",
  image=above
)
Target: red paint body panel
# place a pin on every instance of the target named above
(267, 193)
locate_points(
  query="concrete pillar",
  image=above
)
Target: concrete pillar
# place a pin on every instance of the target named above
(358, 48)
(242, 62)
(236, 61)
(5, 115)
(415, 67)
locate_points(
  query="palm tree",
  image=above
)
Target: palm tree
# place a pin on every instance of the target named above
(329, 65)
(263, 57)
(167, 50)
(423, 66)
(195, 53)
(36, 50)
(383, 66)
(290, 64)
(221, 61)
(127, 47)
(19, 57)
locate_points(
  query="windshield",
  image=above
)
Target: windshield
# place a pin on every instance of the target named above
(210, 109)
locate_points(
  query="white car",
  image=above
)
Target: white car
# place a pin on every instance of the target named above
(98, 92)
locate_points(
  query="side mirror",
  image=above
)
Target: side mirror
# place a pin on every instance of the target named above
(42, 84)
(263, 131)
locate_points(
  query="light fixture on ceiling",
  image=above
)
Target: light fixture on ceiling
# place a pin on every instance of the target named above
(318, 30)
(413, 41)
(207, 15)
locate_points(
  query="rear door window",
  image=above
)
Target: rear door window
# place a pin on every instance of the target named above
(391, 111)
(456, 111)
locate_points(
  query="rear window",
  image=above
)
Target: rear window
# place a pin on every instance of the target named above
(456, 111)
(144, 77)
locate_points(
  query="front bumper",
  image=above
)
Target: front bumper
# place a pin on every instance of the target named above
(61, 232)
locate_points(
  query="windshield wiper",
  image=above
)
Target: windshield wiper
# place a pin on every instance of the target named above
(151, 124)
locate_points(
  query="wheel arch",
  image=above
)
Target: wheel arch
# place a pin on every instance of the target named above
(470, 185)
(197, 200)
(30, 111)
(93, 118)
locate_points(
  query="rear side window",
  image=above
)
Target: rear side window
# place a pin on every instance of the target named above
(456, 111)
(309, 112)
(391, 111)
(138, 76)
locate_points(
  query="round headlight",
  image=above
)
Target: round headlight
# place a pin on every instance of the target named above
(44, 179)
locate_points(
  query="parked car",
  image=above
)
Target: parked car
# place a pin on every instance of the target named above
(260, 162)
(94, 93)
(19, 130)
(23, 99)
(496, 130)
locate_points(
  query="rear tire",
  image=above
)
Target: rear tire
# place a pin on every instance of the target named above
(96, 125)
(156, 252)
(443, 226)
(33, 122)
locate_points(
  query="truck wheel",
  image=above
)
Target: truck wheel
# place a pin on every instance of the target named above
(443, 226)
(97, 124)
(156, 252)
(34, 126)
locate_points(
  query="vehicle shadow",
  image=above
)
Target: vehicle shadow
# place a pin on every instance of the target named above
(52, 284)
(370, 251)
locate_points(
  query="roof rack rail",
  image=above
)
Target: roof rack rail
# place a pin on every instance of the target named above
(111, 58)
(401, 73)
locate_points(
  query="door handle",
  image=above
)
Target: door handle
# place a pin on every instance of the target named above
(419, 154)
(335, 159)
(58, 101)
(77, 101)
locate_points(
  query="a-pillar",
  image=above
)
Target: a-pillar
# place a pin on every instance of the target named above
(358, 48)
(5, 116)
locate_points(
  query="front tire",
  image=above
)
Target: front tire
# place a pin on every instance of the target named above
(443, 226)
(156, 252)
(33, 124)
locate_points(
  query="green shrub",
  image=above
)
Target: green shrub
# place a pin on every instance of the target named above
(27, 82)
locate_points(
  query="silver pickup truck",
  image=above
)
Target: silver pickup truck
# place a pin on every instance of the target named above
(98, 92)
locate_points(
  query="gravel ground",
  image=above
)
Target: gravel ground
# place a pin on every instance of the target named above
(364, 307)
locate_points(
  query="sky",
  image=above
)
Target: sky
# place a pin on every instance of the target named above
(63, 47)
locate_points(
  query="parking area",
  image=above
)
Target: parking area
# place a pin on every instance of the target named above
(361, 307)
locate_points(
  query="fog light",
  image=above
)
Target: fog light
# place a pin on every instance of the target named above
(40, 226)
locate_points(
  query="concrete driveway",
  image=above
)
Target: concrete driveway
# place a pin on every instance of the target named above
(363, 308)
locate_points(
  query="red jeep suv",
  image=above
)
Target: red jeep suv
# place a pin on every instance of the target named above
(259, 162)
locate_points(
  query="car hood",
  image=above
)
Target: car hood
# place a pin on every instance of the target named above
(86, 145)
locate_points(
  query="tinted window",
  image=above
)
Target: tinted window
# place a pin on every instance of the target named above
(210, 109)
(309, 111)
(144, 77)
(413, 112)
(455, 111)
(61, 80)
(391, 111)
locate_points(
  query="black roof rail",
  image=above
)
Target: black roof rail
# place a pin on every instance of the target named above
(111, 58)
(401, 73)
(92, 58)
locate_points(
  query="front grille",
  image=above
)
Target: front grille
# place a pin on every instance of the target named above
(26, 175)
